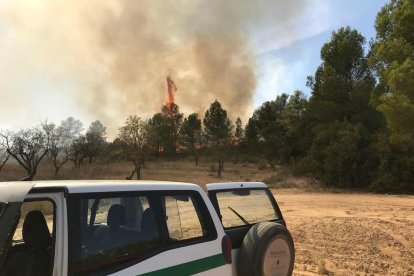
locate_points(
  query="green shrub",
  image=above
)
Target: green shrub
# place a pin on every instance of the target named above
(261, 165)
(212, 168)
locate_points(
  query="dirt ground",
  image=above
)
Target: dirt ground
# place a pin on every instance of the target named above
(350, 234)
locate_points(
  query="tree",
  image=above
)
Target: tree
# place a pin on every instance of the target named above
(218, 132)
(392, 59)
(134, 137)
(294, 119)
(78, 151)
(340, 154)
(4, 156)
(343, 84)
(251, 133)
(190, 135)
(59, 147)
(165, 128)
(71, 128)
(340, 117)
(161, 131)
(238, 133)
(74, 143)
(28, 147)
(95, 139)
(270, 127)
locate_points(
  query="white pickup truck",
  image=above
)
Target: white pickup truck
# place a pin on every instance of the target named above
(141, 228)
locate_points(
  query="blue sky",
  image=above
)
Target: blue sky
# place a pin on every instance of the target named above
(284, 69)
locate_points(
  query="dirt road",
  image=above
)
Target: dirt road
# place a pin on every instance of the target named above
(350, 234)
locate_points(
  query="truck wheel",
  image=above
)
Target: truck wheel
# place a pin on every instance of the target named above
(267, 249)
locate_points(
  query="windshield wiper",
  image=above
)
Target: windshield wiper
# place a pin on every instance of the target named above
(240, 216)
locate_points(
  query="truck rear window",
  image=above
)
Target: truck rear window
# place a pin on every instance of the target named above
(244, 206)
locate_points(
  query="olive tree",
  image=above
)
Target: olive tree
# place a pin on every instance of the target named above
(59, 148)
(28, 147)
(4, 156)
(134, 138)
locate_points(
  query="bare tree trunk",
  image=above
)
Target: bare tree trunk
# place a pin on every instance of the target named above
(27, 178)
(56, 173)
(130, 177)
(30, 176)
(138, 170)
(271, 164)
(219, 169)
(4, 162)
(196, 157)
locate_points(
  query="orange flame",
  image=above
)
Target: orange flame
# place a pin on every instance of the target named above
(172, 88)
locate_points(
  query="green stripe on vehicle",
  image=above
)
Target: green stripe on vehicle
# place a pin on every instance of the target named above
(190, 268)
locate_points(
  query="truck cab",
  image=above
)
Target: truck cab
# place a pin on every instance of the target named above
(109, 227)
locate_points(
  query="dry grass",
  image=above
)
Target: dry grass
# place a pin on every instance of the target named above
(182, 171)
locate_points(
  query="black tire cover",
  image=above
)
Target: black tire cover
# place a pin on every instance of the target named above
(266, 240)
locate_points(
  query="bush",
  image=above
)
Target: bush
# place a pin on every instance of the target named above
(279, 181)
(212, 168)
(262, 165)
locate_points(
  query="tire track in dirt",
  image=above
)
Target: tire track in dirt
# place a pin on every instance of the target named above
(346, 234)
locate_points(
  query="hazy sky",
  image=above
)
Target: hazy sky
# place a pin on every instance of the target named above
(283, 69)
(108, 59)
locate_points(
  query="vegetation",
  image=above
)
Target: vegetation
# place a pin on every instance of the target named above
(191, 135)
(134, 139)
(218, 133)
(355, 130)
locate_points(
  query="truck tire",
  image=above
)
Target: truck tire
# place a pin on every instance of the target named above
(267, 249)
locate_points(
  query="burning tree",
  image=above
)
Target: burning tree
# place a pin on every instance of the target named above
(166, 124)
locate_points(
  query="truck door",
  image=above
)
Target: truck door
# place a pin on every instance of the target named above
(144, 232)
(11, 198)
(252, 219)
(241, 205)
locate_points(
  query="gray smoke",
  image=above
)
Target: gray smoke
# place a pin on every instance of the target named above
(115, 55)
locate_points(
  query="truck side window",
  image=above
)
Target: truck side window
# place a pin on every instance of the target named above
(113, 232)
(33, 240)
(182, 220)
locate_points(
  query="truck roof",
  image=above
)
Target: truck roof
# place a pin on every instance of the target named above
(234, 185)
(12, 191)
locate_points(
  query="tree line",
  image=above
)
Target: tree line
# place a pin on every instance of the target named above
(355, 130)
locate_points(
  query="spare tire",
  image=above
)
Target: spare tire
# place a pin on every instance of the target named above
(267, 249)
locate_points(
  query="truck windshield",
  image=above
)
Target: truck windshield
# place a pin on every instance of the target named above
(251, 206)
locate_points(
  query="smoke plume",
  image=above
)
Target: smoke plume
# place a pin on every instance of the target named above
(109, 59)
